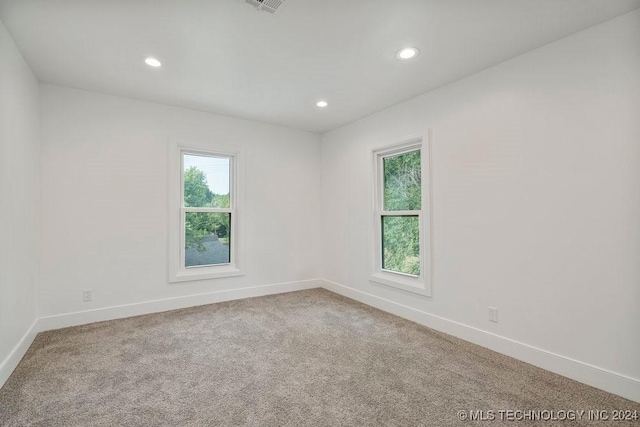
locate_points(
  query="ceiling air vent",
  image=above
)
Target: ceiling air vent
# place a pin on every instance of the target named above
(270, 6)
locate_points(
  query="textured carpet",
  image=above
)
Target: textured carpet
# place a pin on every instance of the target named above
(309, 358)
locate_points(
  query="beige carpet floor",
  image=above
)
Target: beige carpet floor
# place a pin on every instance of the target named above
(309, 358)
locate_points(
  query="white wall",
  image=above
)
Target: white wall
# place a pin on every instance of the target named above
(19, 193)
(105, 199)
(536, 174)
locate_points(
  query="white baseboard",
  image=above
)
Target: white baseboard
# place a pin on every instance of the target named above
(592, 375)
(9, 364)
(603, 379)
(156, 306)
(109, 313)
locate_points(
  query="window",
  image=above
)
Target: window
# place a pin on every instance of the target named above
(205, 239)
(402, 220)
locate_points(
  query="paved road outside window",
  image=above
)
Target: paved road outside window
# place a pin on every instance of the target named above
(214, 253)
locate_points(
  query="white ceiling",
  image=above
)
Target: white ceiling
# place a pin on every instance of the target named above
(226, 57)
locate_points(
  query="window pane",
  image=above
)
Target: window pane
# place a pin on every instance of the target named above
(206, 181)
(401, 244)
(208, 238)
(402, 182)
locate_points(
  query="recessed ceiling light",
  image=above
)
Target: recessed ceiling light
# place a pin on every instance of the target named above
(152, 62)
(407, 53)
(322, 104)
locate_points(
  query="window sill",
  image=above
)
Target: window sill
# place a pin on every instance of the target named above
(410, 284)
(205, 273)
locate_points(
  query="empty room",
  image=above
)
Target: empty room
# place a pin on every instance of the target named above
(319, 212)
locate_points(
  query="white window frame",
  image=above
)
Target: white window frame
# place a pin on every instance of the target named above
(177, 215)
(421, 284)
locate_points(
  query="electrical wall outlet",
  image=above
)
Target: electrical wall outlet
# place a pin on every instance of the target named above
(493, 314)
(87, 295)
